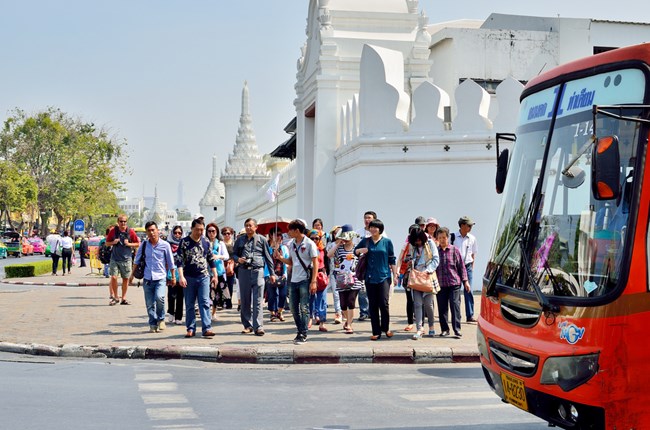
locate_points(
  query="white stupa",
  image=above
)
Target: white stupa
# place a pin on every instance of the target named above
(245, 171)
(213, 201)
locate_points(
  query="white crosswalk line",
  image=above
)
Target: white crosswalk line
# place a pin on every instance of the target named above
(159, 414)
(396, 377)
(459, 395)
(466, 407)
(158, 386)
(153, 376)
(163, 399)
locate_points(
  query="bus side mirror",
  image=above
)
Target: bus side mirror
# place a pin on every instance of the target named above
(502, 160)
(605, 169)
(502, 170)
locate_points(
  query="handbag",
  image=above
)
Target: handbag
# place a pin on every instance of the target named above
(362, 266)
(138, 273)
(423, 281)
(230, 267)
(322, 281)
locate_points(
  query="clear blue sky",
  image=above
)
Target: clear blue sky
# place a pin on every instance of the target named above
(167, 75)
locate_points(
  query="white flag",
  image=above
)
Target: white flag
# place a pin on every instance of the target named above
(272, 192)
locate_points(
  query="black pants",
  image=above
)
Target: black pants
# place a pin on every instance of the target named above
(175, 300)
(66, 255)
(449, 297)
(378, 295)
(82, 260)
(55, 262)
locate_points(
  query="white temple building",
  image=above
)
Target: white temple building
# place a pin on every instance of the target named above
(398, 116)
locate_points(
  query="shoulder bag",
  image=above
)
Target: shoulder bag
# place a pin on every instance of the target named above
(138, 273)
(423, 281)
(362, 266)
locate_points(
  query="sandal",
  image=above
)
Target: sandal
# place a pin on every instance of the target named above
(125, 302)
(375, 337)
(113, 301)
(348, 330)
(322, 328)
(281, 317)
(408, 327)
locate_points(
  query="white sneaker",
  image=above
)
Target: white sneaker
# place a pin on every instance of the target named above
(178, 322)
(169, 318)
(161, 325)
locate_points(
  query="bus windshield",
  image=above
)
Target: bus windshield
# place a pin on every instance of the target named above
(577, 242)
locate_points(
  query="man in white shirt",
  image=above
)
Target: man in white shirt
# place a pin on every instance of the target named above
(303, 255)
(466, 244)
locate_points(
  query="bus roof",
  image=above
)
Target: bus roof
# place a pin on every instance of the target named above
(635, 52)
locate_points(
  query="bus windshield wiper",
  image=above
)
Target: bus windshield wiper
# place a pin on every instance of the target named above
(541, 297)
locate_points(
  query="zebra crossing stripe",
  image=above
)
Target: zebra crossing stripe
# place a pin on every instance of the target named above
(450, 396)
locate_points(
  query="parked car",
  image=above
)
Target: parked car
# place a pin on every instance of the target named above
(3, 250)
(27, 248)
(11, 240)
(38, 244)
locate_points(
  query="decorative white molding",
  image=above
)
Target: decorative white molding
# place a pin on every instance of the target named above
(473, 104)
(383, 104)
(429, 103)
(508, 93)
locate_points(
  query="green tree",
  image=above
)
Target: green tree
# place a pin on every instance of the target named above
(18, 189)
(76, 167)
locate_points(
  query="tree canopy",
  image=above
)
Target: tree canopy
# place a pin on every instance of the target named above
(75, 166)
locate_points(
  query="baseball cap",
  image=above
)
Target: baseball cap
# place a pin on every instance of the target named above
(420, 220)
(465, 220)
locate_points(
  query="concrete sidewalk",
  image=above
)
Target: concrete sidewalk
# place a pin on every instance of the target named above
(69, 316)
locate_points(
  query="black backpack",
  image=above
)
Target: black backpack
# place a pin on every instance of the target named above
(105, 253)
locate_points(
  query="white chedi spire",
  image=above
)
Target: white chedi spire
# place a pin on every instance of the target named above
(245, 159)
(216, 192)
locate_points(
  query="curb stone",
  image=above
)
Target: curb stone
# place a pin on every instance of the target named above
(262, 355)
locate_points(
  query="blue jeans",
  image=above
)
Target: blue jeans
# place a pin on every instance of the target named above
(364, 305)
(318, 305)
(469, 298)
(299, 301)
(335, 294)
(276, 295)
(197, 289)
(154, 299)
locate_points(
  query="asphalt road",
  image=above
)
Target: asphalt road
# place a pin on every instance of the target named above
(39, 393)
(14, 260)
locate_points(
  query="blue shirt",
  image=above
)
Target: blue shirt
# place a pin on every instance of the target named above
(158, 259)
(380, 257)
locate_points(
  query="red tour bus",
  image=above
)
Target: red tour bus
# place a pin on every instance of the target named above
(564, 331)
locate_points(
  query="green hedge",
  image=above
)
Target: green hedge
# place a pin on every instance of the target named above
(27, 270)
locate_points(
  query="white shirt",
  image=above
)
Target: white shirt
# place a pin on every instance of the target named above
(467, 246)
(54, 241)
(66, 242)
(307, 250)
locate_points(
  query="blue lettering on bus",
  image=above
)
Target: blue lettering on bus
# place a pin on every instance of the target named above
(582, 99)
(537, 111)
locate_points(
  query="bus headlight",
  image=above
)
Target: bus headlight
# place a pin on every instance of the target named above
(482, 344)
(569, 372)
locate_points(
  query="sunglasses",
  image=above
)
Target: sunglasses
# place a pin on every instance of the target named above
(211, 230)
(227, 233)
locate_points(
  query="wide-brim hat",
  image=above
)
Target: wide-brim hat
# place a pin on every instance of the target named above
(347, 235)
(432, 220)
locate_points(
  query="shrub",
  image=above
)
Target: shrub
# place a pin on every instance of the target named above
(26, 270)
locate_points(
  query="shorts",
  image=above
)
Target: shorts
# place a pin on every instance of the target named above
(120, 269)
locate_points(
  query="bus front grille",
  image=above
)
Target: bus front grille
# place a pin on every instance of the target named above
(518, 362)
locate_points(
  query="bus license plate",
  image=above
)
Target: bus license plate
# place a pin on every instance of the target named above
(514, 391)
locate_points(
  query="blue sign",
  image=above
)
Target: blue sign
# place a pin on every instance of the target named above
(79, 226)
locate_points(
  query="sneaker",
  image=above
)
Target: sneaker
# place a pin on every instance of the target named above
(178, 322)
(169, 318)
(458, 334)
(153, 329)
(432, 333)
(337, 319)
(299, 339)
(363, 317)
(444, 333)
(161, 325)
(417, 335)
(259, 332)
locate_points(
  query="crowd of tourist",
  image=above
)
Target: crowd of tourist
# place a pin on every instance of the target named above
(208, 269)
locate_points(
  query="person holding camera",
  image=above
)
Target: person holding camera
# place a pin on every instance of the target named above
(251, 252)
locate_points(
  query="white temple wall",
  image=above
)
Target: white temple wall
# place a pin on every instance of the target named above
(427, 181)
